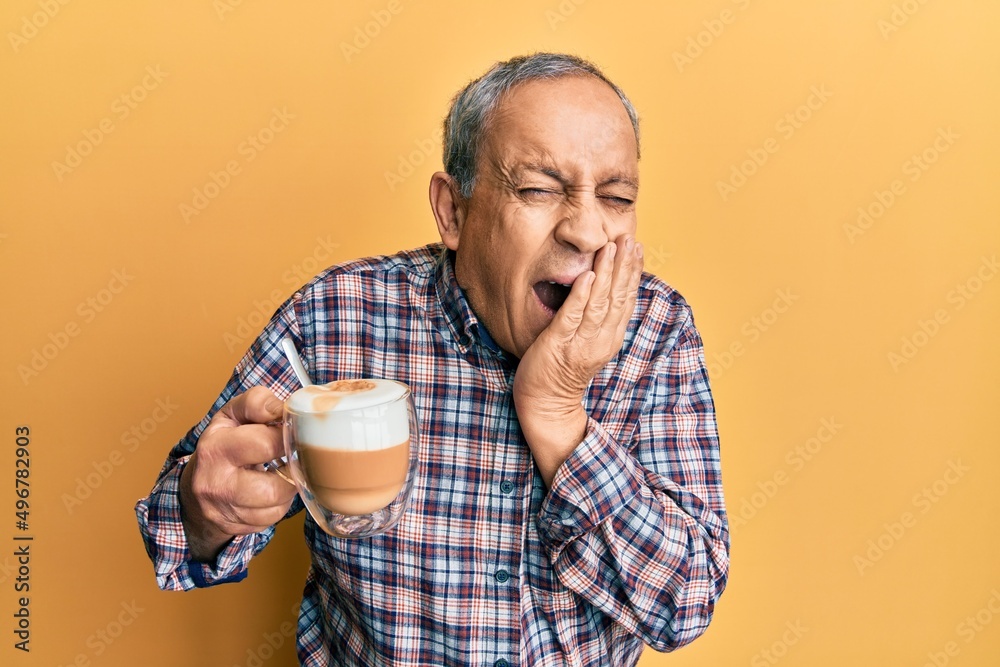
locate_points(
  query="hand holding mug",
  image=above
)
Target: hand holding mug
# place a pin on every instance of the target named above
(223, 491)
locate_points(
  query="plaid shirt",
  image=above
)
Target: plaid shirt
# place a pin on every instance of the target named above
(487, 567)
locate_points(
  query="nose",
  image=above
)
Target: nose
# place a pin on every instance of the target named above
(584, 226)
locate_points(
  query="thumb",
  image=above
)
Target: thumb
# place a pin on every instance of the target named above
(568, 318)
(258, 405)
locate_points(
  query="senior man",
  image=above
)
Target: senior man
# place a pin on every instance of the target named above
(569, 506)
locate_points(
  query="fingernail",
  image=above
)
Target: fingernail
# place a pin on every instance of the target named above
(612, 249)
(273, 406)
(638, 250)
(629, 244)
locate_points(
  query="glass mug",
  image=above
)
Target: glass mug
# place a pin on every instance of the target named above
(352, 450)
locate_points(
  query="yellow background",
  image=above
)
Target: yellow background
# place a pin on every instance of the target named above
(808, 304)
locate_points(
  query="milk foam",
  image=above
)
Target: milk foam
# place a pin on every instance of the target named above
(352, 415)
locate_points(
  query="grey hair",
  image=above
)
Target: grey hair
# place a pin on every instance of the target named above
(472, 109)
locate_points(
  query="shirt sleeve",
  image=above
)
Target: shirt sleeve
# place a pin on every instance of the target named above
(163, 533)
(159, 513)
(639, 529)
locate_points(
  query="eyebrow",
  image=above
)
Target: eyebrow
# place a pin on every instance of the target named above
(552, 172)
(623, 180)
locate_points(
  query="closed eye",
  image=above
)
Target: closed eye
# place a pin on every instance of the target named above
(537, 195)
(618, 201)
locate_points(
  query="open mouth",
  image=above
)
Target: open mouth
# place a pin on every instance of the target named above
(552, 295)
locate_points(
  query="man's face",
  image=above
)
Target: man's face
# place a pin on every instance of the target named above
(557, 180)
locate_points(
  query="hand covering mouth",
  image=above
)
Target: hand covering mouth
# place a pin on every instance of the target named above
(551, 294)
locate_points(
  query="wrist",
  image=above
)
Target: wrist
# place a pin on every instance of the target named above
(552, 435)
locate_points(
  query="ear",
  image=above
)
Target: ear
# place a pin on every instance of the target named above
(448, 208)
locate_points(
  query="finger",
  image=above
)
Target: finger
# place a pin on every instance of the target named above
(633, 291)
(567, 318)
(250, 444)
(597, 307)
(253, 520)
(257, 405)
(625, 281)
(257, 489)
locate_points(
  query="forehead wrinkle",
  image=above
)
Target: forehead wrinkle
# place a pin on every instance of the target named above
(511, 166)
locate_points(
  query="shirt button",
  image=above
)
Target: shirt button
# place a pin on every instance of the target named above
(506, 486)
(501, 663)
(502, 576)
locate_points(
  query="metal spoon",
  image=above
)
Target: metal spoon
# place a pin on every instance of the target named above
(292, 354)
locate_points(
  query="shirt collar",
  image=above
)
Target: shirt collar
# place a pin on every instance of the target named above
(465, 326)
(486, 339)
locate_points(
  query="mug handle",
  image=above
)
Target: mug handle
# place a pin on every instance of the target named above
(275, 466)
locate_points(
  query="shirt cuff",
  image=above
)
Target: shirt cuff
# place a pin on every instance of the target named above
(228, 567)
(162, 530)
(592, 485)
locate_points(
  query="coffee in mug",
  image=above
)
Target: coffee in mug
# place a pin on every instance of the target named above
(352, 452)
